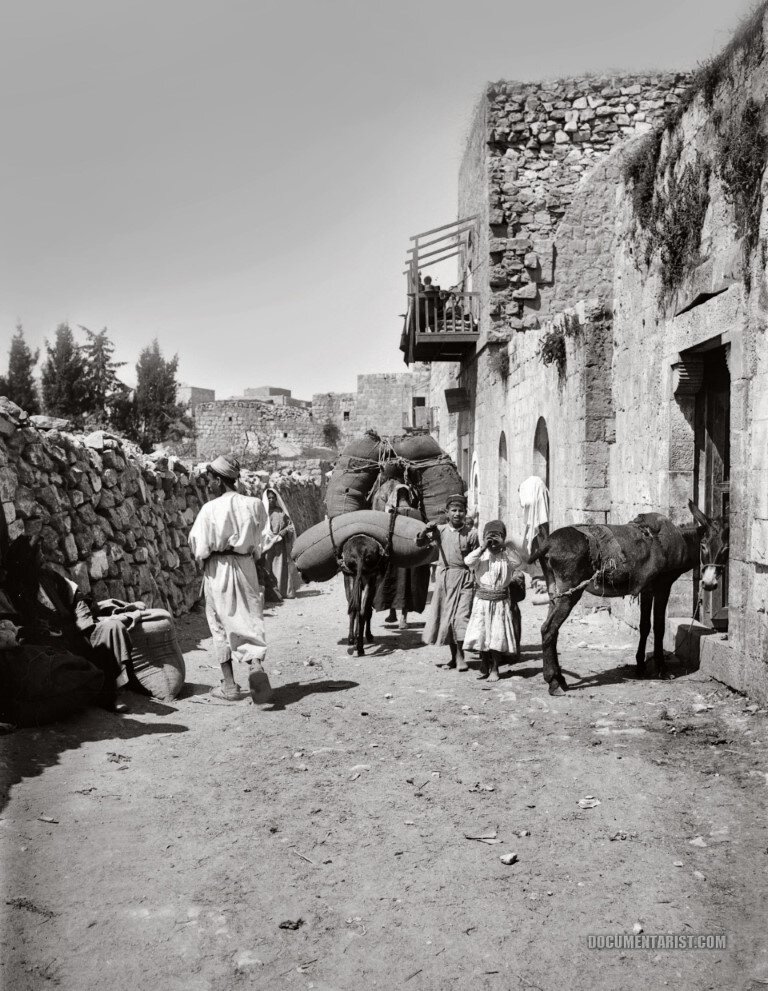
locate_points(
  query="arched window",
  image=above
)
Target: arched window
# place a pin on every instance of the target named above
(541, 453)
(503, 477)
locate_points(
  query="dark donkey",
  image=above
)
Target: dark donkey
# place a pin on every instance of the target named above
(644, 557)
(363, 561)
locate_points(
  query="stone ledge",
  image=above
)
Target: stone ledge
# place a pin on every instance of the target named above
(721, 661)
(684, 638)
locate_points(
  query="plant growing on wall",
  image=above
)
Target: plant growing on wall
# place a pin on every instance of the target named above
(259, 450)
(331, 433)
(552, 350)
(498, 361)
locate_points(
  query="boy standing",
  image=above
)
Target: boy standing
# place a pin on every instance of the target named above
(452, 597)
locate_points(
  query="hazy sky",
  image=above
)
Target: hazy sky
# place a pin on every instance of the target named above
(240, 179)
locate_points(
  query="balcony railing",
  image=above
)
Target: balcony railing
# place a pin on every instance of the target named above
(441, 325)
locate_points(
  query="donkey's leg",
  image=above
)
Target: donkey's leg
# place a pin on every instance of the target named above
(517, 629)
(368, 635)
(660, 600)
(646, 603)
(360, 630)
(559, 611)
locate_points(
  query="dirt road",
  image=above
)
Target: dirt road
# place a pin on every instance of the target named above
(323, 844)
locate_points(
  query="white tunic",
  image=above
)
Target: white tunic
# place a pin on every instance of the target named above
(233, 602)
(490, 625)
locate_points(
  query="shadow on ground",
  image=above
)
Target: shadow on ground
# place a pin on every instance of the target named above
(295, 691)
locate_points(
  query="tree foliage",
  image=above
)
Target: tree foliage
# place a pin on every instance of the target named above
(19, 385)
(155, 406)
(63, 376)
(105, 393)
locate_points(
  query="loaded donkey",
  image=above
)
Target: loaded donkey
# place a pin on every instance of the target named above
(642, 558)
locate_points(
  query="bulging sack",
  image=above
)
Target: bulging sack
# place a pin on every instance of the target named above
(349, 486)
(417, 447)
(156, 658)
(313, 552)
(436, 483)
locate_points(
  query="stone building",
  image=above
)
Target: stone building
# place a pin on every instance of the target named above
(387, 402)
(190, 397)
(613, 233)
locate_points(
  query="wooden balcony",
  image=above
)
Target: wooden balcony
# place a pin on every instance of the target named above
(441, 326)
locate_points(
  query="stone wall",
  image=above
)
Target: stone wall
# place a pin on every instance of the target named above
(658, 461)
(237, 424)
(542, 139)
(117, 520)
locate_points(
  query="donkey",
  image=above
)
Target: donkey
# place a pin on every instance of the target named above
(363, 562)
(644, 557)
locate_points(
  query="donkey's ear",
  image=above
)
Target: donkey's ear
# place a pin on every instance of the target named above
(700, 518)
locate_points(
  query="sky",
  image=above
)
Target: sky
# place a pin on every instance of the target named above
(240, 179)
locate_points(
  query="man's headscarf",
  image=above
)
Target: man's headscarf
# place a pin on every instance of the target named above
(225, 466)
(496, 529)
(458, 499)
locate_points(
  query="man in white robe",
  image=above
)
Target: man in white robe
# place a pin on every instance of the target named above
(227, 538)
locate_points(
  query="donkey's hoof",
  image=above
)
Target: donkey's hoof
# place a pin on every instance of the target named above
(557, 686)
(350, 651)
(370, 639)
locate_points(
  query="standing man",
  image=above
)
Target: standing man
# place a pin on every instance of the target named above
(227, 538)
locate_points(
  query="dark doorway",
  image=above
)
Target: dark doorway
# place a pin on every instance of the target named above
(503, 477)
(541, 453)
(713, 463)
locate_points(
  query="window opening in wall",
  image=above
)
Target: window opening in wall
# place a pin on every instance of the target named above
(345, 414)
(285, 433)
(503, 477)
(229, 418)
(419, 411)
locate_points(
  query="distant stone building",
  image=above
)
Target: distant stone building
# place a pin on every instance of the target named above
(618, 347)
(387, 403)
(190, 396)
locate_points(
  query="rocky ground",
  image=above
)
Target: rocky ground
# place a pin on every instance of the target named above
(331, 842)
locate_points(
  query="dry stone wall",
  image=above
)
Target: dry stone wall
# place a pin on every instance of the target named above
(115, 519)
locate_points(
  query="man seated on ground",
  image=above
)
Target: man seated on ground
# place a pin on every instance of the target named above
(54, 612)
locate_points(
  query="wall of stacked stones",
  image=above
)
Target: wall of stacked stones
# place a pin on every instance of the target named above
(116, 520)
(653, 459)
(543, 139)
(233, 424)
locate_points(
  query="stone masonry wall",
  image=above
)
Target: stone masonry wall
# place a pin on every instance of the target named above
(117, 520)
(234, 424)
(656, 462)
(543, 138)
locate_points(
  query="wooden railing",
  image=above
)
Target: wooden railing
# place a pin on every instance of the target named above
(445, 312)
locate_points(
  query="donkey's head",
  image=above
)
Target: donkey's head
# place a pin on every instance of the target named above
(363, 560)
(713, 544)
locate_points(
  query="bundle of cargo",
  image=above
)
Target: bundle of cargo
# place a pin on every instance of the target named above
(354, 476)
(430, 470)
(314, 552)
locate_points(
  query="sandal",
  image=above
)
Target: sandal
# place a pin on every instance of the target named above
(223, 695)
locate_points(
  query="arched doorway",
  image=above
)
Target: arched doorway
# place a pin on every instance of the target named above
(541, 453)
(474, 488)
(503, 477)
